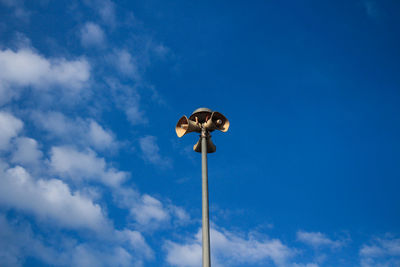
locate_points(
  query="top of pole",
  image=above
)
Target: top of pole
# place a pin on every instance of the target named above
(202, 110)
(201, 114)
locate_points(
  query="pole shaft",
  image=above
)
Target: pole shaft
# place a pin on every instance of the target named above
(205, 213)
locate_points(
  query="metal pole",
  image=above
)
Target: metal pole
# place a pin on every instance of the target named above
(205, 225)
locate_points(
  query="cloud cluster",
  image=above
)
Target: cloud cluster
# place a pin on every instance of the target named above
(148, 212)
(381, 252)
(26, 68)
(229, 249)
(55, 168)
(318, 239)
(17, 241)
(52, 202)
(151, 151)
(83, 165)
(74, 131)
(49, 200)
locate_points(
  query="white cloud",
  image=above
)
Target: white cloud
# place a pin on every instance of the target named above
(137, 242)
(149, 210)
(127, 99)
(86, 256)
(105, 9)
(111, 254)
(26, 152)
(50, 200)
(179, 213)
(99, 137)
(151, 151)
(317, 239)
(305, 265)
(381, 252)
(10, 126)
(372, 251)
(161, 50)
(76, 131)
(184, 255)
(17, 242)
(229, 249)
(84, 165)
(92, 35)
(135, 115)
(27, 68)
(20, 11)
(56, 123)
(125, 63)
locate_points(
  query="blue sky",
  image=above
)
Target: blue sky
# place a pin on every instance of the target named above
(93, 174)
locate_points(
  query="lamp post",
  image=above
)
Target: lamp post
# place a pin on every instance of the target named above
(203, 121)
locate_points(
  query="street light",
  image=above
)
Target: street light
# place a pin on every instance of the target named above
(204, 121)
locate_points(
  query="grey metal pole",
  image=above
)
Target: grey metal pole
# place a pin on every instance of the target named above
(205, 222)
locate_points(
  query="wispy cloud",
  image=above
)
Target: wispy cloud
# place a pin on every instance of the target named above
(128, 248)
(19, 10)
(105, 9)
(127, 99)
(381, 252)
(150, 213)
(229, 249)
(77, 131)
(148, 210)
(151, 151)
(318, 239)
(92, 35)
(84, 165)
(371, 8)
(125, 63)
